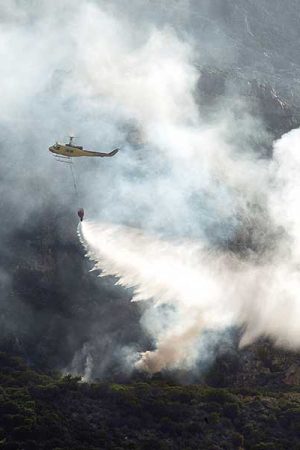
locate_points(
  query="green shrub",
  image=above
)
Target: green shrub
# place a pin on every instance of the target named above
(265, 446)
(237, 440)
(231, 410)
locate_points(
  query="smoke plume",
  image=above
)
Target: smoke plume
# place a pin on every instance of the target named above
(208, 288)
(190, 214)
(210, 239)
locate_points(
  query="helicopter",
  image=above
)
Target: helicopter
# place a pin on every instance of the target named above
(65, 152)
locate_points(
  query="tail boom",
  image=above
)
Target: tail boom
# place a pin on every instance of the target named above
(100, 154)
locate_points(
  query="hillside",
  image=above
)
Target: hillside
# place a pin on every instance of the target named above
(48, 411)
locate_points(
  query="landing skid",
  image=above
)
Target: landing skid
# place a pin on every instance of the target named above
(64, 159)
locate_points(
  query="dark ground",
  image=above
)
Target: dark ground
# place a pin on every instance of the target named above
(48, 411)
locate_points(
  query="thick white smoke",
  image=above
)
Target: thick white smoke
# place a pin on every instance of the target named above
(211, 289)
(194, 188)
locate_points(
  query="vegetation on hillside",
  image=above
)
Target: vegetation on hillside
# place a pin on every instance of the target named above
(49, 411)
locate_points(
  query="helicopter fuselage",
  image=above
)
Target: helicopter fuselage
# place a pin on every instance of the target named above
(71, 151)
(74, 151)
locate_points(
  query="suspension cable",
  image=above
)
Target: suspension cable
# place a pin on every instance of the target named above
(74, 181)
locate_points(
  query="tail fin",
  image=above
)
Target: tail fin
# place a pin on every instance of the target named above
(113, 152)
